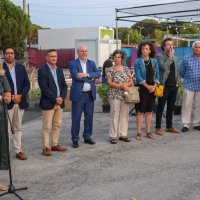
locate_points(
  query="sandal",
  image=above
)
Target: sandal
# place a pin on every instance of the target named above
(124, 139)
(139, 137)
(150, 136)
(113, 141)
(3, 187)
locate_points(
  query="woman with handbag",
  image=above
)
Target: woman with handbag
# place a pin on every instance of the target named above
(4, 91)
(119, 80)
(147, 78)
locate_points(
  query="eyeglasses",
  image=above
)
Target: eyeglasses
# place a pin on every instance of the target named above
(9, 53)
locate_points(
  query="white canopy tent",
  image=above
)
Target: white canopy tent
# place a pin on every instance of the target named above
(182, 11)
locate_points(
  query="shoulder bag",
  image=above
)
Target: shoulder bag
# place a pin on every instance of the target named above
(132, 96)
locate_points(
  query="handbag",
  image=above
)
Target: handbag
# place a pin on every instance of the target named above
(159, 91)
(132, 96)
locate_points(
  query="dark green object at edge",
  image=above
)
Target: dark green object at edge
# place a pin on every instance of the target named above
(3, 125)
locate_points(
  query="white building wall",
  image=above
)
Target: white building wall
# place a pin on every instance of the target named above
(92, 46)
(98, 49)
(64, 38)
(105, 48)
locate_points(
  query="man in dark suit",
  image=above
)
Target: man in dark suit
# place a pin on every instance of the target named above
(20, 85)
(82, 95)
(53, 92)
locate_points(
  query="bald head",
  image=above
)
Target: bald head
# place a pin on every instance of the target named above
(82, 46)
(82, 52)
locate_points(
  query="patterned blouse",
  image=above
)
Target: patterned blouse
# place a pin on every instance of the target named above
(118, 77)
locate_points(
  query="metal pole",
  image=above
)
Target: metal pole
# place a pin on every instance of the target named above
(117, 36)
(29, 40)
(128, 38)
(24, 6)
(167, 30)
(177, 40)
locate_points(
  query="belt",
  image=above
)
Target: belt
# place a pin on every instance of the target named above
(87, 92)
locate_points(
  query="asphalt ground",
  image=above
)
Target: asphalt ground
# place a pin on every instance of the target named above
(166, 168)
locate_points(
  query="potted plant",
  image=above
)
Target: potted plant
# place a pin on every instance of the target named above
(102, 91)
(179, 100)
(34, 97)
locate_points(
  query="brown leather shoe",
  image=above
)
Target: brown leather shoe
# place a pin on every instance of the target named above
(46, 152)
(21, 156)
(158, 131)
(172, 130)
(58, 148)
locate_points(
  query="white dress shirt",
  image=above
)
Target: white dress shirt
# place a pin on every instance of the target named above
(13, 76)
(86, 86)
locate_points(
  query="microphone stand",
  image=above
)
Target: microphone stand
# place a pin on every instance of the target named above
(11, 188)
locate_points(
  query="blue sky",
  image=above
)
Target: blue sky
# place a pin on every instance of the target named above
(80, 13)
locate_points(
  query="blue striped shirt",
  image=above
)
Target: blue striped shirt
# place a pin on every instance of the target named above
(54, 74)
(189, 70)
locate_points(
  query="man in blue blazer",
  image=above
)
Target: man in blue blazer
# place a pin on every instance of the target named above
(20, 85)
(53, 87)
(82, 95)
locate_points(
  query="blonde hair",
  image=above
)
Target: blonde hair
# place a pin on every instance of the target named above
(2, 72)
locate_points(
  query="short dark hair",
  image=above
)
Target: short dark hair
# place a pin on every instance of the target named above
(8, 47)
(111, 56)
(118, 52)
(151, 46)
(50, 50)
(164, 42)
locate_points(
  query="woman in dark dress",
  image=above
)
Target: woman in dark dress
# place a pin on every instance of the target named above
(147, 77)
(5, 91)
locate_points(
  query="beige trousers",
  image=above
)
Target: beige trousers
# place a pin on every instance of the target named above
(51, 118)
(190, 98)
(16, 116)
(119, 116)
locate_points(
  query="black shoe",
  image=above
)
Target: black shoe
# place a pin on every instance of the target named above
(185, 129)
(75, 145)
(89, 141)
(197, 128)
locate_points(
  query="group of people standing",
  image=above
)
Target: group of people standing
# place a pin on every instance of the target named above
(149, 70)
(15, 85)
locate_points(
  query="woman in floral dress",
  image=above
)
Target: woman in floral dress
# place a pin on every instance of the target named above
(119, 80)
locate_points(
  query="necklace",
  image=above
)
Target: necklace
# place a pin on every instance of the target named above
(147, 62)
(118, 68)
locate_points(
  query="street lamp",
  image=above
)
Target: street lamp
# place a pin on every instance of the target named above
(140, 27)
(177, 38)
(128, 35)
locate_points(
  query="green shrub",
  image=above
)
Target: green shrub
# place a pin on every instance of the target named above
(34, 94)
(102, 91)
